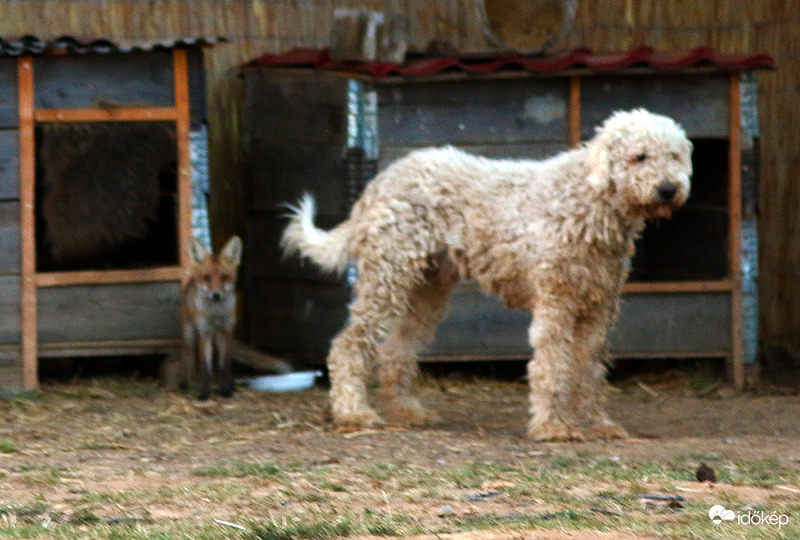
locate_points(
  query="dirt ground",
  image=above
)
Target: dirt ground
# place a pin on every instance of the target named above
(119, 450)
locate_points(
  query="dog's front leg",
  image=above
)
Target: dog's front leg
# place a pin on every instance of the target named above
(551, 375)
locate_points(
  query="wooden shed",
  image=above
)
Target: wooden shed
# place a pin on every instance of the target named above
(313, 124)
(95, 197)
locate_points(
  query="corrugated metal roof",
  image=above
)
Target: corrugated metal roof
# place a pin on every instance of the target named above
(32, 45)
(643, 57)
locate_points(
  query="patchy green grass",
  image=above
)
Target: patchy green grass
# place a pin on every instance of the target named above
(147, 465)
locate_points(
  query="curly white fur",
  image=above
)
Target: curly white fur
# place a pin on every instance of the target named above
(554, 237)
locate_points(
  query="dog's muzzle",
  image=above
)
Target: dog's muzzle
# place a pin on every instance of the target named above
(666, 192)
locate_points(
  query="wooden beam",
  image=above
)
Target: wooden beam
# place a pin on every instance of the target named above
(574, 111)
(120, 347)
(94, 277)
(736, 368)
(182, 125)
(27, 166)
(678, 286)
(121, 114)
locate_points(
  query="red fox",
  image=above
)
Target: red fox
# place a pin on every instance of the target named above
(209, 314)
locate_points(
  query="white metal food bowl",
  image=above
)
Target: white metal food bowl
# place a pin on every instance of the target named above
(286, 382)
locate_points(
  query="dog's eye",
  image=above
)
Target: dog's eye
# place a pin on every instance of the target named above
(675, 156)
(641, 157)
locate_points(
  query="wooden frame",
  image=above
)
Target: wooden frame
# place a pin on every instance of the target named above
(574, 111)
(27, 165)
(733, 283)
(31, 279)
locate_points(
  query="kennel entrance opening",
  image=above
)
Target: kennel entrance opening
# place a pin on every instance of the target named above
(106, 196)
(105, 202)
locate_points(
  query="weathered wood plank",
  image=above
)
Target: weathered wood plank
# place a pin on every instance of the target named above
(480, 324)
(197, 88)
(673, 324)
(474, 112)
(295, 320)
(264, 258)
(137, 79)
(699, 104)
(9, 164)
(10, 239)
(280, 173)
(667, 324)
(10, 310)
(103, 312)
(302, 109)
(9, 94)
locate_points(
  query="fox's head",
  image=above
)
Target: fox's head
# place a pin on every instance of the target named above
(215, 276)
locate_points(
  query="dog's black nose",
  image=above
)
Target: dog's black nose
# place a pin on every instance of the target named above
(666, 191)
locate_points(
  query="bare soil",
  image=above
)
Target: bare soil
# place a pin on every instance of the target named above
(123, 450)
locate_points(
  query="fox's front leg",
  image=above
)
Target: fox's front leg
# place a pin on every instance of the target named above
(206, 365)
(188, 356)
(226, 386)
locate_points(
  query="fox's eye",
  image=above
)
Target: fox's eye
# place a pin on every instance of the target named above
(207, 279)
(224, 278)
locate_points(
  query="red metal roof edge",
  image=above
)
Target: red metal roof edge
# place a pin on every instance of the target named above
(574, 59)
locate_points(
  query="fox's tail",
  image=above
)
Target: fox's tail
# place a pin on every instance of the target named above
(327, 249)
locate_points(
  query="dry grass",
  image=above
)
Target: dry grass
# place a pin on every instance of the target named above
(115, 459)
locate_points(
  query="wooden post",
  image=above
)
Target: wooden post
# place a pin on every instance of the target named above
(184, 158)
(30, 367)
(735, 232)
(575, 111)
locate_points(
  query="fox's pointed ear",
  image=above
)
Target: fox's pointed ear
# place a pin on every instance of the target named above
(232, 252)
(199, 251)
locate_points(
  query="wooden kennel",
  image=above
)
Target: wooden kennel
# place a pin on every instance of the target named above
(93, 133)
(313, 124)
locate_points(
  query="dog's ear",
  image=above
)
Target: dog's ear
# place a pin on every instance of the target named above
(599, 166)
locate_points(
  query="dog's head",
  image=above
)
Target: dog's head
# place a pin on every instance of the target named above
(644, 160)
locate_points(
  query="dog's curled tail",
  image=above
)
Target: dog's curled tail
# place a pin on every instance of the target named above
(327, 249)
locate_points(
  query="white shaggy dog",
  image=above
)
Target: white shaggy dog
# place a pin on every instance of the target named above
(554, 237)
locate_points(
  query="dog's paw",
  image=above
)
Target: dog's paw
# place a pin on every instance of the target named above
(606, 431)
(410, 412)
(554, 431)
(350, 420)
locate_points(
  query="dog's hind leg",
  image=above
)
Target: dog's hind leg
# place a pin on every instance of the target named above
(376, 307)
(398, 369)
